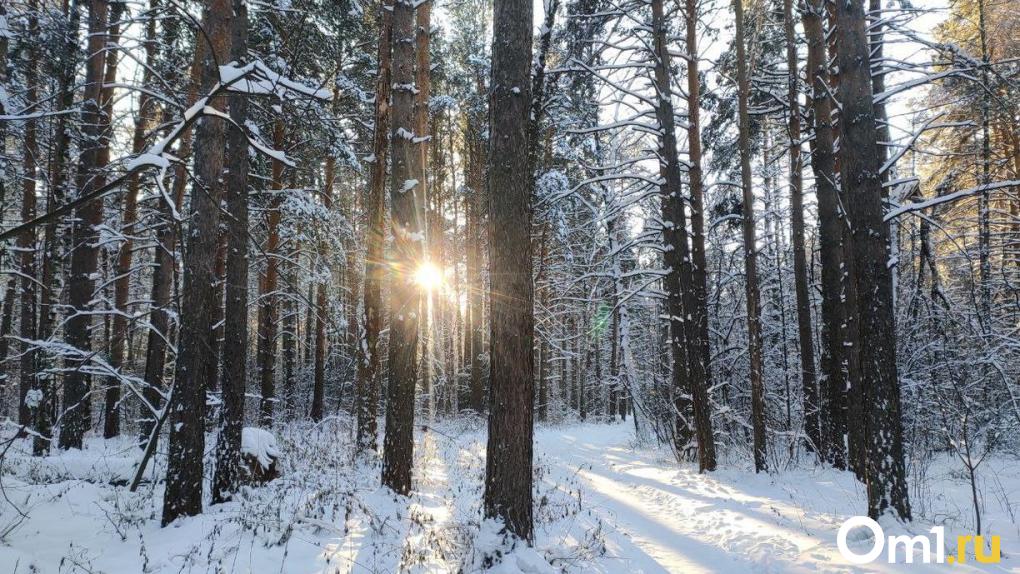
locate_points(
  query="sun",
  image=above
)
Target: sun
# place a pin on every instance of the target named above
(428, 276)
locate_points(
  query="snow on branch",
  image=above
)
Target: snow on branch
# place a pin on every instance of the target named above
(950, 197)
(257, 79)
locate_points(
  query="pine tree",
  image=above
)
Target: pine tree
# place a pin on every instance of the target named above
(812, 420)
(753, 298)
(183, 496)
(235, 327)
(875, 343)
(508, 466)
(408, 250)
(368, 356)
(88, 216)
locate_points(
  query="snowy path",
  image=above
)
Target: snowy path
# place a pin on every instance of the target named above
(662, 519)
(602, 505)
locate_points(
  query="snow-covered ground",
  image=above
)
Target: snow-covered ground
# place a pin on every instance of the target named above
(603, 504)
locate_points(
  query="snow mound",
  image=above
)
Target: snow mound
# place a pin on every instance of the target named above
(260, 444)
(499, 552)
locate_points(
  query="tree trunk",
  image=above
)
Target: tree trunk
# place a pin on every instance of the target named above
(375, 238)
(419, 171)
(49, 297)
(212, 378)
(984, 205)
(321, 308)
(812, 421)
(508, 469)
(474, 265)
(689, 373)
(85, 233)
(11, 291)
(405, 296)
(268, 308)
(6, 320)
(860, 166)
(26, 242)
(674, 234)
(122, 269)
(235, 327)
(163, 276)
(289, 322)
(111, 410)
(700, 356)
(833, 379)
(183, 496)
(750, 249)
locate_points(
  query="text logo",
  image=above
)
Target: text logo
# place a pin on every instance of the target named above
(932, 549)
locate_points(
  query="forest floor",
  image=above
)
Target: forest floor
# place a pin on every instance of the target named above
(603, 503)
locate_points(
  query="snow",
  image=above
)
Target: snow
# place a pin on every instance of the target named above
(260, 444)
(603, 504)
(409, 184)
(147, 159)
(258, 78)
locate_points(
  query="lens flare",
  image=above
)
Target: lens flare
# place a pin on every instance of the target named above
(428, 276)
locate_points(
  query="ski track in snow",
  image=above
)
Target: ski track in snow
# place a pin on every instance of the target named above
(602, 504)
(678, 521)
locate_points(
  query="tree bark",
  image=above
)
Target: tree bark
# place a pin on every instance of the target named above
(163, 276)
(419, 169)
(833, 379)
(689, 371)
(235, 327)
(125, 255)
(48, 308)
(212, 378)
(26, 242)
(6, 324)
(268, 308)
(375, 238)
(508, 476)
(750, 249)
(85, 233)
(860, 167)
(11, 290)
(809, 388)
(321, 308)
(476, 283)
(405, 296)
(674, 234)
(700, 356)
(183, 496)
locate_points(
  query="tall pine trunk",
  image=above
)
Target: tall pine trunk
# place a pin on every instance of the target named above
(474, 263)
(700, 356)
(367, 398)
(750, 248)
(122, 268)
(26, 242)
(85, 233)
(321, 307)
(183, 496)
(508, 469)
(833, 379)
(809, 388)
(690, 365)
(875, 344)
(164, 274)
(408, 244)
(674, 233)
(235, 327)
(268, 325)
